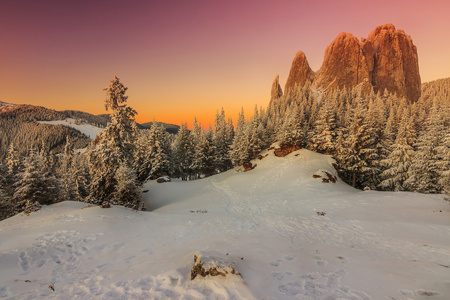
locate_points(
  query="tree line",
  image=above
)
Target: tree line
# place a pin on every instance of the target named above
(379, 141)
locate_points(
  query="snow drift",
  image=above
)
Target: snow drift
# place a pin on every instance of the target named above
(367, 245)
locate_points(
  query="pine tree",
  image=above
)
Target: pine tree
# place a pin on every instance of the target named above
(35, 186)
(115, 145)
(443, 164)
(356, 146)
(142, 160)
(161, 160)
(127, 192)
(323, 135)
(399, 160)
(204, 155)
(6, 207)
(239, 148)
(67, 175)
(183, 151)
(291, 133)
(222, 142)
(423, 174)
(81, 177)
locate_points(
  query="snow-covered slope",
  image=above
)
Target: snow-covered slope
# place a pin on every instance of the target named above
(362, 245)
(87, 129)
(6, 104)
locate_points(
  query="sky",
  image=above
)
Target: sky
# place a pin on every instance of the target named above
(185, 59)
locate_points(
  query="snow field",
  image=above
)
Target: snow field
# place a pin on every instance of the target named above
(368, 245)
(86, 129)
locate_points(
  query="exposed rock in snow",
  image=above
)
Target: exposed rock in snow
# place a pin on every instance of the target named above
(325, 176)
(213, 265)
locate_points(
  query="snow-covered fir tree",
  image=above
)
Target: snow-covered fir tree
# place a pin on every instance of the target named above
(67, 175)
(398, 162)
(35, 187)
(114, 145)
(183, 152)
(223, 137)
(443, 164)
(356, 146)
(323, 135)
(423, 175)
(204, 160)
(239, 148)
(127, 192)
(291, 132)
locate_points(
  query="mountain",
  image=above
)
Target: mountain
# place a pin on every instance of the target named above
(288, 234)
(28, 126)
(19, 126)
(4, 105)
(386, 59)
(170, 128)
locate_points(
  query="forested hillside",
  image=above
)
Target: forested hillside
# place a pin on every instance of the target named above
(19, 127)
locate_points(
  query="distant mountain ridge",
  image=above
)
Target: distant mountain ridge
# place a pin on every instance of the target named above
(19, 126)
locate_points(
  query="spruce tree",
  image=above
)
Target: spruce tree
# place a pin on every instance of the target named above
(222, 141)
(398, 162)
(239, 148)
(423, 174)
(35, 186)
(114, 145)
(127, 192)
(323, 137)
(183, 151)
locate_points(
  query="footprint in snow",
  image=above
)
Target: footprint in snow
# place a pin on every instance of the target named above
(319, 259)
(276, 263)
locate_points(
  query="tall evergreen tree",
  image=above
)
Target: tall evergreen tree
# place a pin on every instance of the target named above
(114, 145)
(323, 137)
(239, 148)
(222, 142)
(398, 162)
(291, 133)
(127, 192)
(183, 151)
(423, 174)
(34, 186)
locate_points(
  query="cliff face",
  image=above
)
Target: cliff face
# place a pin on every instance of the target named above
(300, 72)
(395, 60)
(344, 64)
(276, 91)
(387, 59)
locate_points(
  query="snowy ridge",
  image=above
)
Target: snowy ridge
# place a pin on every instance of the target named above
(86, 129)
(6, 104)
(367, 245)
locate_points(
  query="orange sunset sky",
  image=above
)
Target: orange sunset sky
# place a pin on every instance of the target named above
(182, 59)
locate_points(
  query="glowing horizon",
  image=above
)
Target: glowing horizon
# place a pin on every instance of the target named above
(186, 59)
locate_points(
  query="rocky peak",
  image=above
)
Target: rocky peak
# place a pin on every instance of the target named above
(386, 59)
(344, 64)
(300, 72)
(276, 92)
(395, 62)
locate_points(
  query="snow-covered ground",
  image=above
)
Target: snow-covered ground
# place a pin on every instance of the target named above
(6, 104)
(362, 245)
(86, 129)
